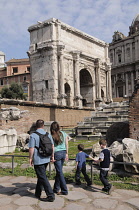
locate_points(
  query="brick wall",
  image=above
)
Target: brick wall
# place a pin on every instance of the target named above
(65, 116)
(134, 114)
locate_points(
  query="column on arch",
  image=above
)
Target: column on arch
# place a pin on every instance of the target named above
(98, 81)
(94, 87)
(132, 82)
(126, 82)
(61, 66)
(76, 57)
(108, 83)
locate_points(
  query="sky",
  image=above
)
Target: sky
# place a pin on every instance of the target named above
(98, 18)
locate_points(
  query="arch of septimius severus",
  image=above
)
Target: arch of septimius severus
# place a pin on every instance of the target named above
(68, 67)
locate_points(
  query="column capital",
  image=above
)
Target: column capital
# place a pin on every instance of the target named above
(97, 62)
(107, 45)
(109, 67)
(76, 54)
(60, 49)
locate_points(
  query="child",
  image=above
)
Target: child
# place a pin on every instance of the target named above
(104, 160)
(81, 165)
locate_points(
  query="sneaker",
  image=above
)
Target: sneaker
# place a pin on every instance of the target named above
(37, 196)
(110, 190)
(89, 184)
(61, 193)
(48, 199)
(104, 190)
(78, 183)
(55, 192)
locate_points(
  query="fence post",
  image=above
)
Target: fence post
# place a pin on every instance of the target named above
(91, 172)
(12, 164)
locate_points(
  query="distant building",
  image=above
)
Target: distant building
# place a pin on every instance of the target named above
(124, 56)
(17, 70)
(2, 59)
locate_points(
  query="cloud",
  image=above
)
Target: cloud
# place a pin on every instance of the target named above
(99, 18)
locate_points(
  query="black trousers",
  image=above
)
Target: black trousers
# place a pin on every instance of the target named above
(42, 182)
(78, 173)
(103, 178)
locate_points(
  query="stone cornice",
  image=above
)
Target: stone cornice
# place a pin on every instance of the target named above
(67, 28)
(82, 34)
(39, 104)
(87, 57)
(125, 64)
(42, 24)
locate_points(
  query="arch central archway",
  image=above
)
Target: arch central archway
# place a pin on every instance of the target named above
(86, 87)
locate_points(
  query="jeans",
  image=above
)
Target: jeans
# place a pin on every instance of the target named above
(60, 182)
(103, 178)
(77, 175)
(42, 181)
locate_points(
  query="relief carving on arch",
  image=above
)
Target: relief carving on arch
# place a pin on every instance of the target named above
(103, 78)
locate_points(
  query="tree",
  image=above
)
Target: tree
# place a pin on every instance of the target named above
(14, 91)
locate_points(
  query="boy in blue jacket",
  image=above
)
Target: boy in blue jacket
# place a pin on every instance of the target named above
(81, 166)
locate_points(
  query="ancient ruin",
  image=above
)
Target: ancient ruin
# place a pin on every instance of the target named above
(68, 67)
(8, 139)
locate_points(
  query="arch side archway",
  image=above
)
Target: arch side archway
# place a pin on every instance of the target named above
(86, 88)
(67, 92)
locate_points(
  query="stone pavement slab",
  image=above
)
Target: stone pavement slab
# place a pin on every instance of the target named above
(134, 202)
(73, 206)
(105, 203)
(57, 204)
(17, 193)
(123, 207)
(74, 196)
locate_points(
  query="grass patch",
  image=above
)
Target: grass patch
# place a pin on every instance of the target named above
(73, 146)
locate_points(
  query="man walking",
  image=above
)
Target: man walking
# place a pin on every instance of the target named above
(40, 163)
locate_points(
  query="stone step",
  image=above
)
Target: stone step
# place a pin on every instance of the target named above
(105, 113)
(101, 129)
(106, 117)
(89, 130)
(85, 130)
(111, 118)
(103, 118)
(95, 124)
(88, 137)
(118, 108)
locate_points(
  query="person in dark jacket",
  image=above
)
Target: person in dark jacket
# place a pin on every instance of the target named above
(104, 160)
(81, 166)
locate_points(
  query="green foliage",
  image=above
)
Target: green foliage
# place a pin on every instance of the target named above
(14, 91)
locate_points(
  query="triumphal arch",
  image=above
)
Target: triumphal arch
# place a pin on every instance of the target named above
(68, 67)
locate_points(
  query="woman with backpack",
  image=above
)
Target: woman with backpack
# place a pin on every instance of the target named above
(60, 154)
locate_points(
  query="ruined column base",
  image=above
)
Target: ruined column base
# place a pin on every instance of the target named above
(62, 99)
(78, 101)
(98, 102)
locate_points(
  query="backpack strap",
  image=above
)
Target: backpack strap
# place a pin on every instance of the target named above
(39, 134)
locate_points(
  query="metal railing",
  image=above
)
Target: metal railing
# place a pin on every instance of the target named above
(91, 161)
